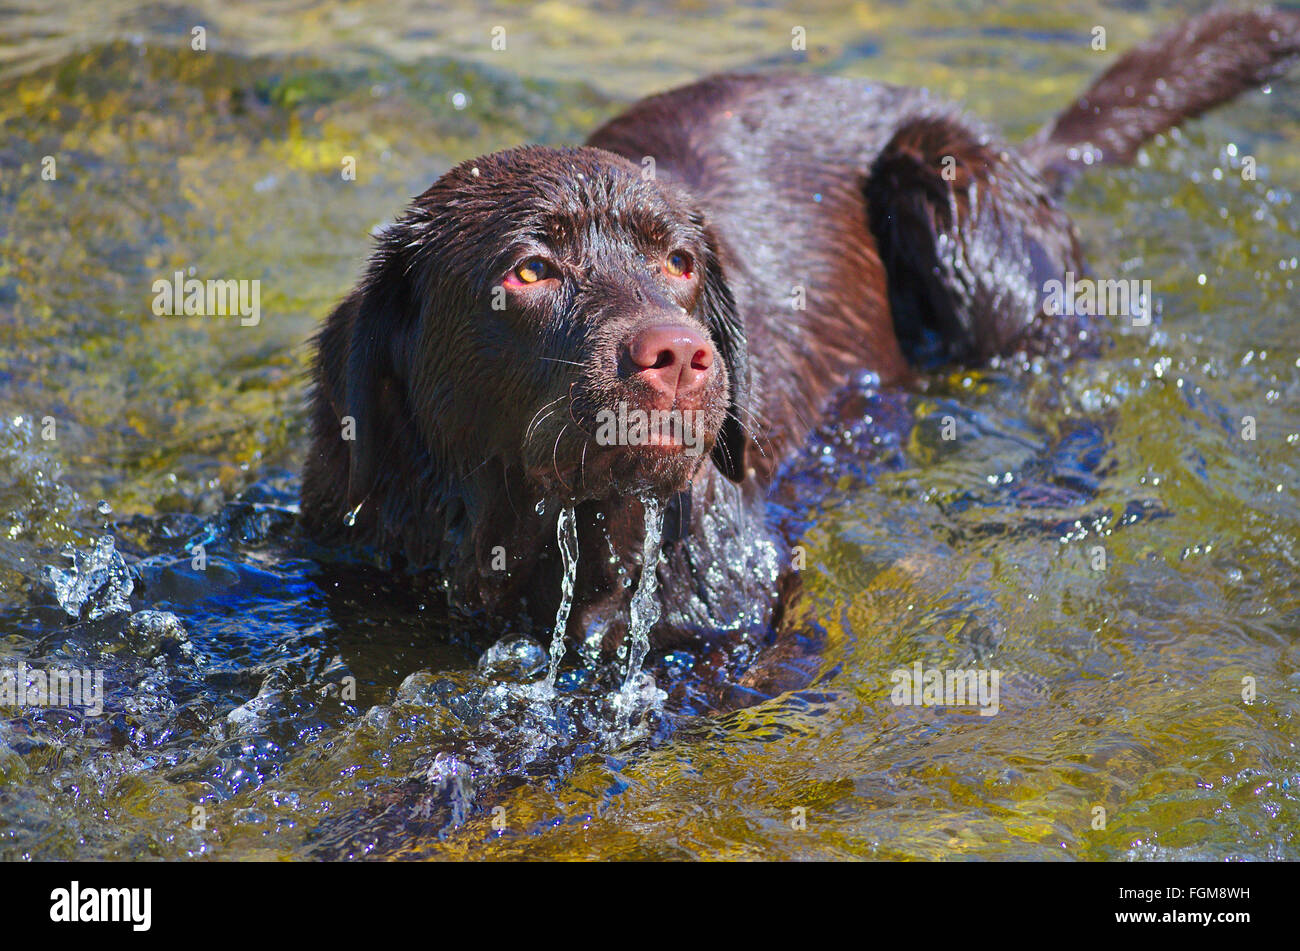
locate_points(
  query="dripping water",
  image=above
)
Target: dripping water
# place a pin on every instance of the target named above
(645, 604)
(639, 693)
(566, 532)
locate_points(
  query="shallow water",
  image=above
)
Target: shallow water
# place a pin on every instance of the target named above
(273, 704)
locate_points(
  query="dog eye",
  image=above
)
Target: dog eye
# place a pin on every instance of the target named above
(532, 271)
(678, 264)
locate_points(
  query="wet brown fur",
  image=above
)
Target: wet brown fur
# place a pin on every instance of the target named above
(917, 236)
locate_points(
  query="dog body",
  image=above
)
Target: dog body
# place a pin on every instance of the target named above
(729, 251)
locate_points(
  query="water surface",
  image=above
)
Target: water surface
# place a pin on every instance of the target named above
(270, 705)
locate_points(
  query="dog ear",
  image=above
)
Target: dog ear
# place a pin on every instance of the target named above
(374, 369)
(723, 319)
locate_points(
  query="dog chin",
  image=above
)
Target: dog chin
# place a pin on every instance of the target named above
(659, 469)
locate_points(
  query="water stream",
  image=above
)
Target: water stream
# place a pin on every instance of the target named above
(645, 606)
(566, 534)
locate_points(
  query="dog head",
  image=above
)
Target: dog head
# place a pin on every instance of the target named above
(555, 310)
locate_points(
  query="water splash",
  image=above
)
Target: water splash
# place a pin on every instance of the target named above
(566, 532)
(513, 658)
(639, 695)
(454, 779)
(645, 604)
(98, 583)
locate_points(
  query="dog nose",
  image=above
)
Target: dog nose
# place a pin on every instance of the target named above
(672, 358)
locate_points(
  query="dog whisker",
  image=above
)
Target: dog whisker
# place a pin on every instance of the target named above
(555, 462)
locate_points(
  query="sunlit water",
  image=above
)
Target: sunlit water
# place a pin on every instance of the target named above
(263, 698)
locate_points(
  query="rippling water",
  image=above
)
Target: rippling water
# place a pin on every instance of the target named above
(262, 698)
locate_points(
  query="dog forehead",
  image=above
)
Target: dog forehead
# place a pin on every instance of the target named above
(595, 199)
(582, 217)
(569, 195)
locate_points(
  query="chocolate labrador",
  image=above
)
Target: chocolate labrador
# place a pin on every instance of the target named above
(663, 313)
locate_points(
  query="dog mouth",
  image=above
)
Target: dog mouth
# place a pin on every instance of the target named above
(626, 448)
(670, 430)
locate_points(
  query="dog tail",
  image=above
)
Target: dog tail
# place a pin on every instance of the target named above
(1165, 81)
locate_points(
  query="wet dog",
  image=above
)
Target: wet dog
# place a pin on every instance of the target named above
(663, 313)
